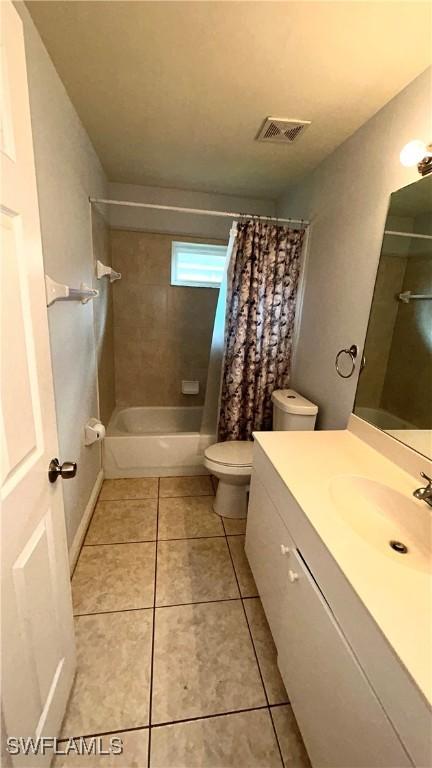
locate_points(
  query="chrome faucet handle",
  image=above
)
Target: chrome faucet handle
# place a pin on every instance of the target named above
(426, 477)
(424, 494)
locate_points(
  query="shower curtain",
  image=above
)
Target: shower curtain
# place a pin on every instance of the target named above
(260, 313)
(209, 421)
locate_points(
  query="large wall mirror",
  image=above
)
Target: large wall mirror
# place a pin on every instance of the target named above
(394, 391)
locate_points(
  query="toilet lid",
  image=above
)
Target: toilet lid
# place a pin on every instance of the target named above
(235, 453)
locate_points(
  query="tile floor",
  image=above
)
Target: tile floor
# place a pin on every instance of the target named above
(175, 656)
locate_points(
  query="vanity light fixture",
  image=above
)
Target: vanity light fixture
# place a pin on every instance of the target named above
(417, 153)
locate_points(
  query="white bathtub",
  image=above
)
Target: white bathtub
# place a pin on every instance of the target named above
(155, 441)
(383, 419)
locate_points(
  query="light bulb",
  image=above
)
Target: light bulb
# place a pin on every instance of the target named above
(413, 152)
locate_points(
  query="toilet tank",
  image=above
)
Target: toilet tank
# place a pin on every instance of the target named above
(291, 411)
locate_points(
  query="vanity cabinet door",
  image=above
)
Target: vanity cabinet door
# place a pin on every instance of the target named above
(341, 720)
(268, 547)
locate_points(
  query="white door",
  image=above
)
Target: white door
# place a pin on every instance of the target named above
(38, 650)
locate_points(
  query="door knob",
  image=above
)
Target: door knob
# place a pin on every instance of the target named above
(66, 470)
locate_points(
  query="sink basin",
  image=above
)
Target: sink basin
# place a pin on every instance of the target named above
(381, 515)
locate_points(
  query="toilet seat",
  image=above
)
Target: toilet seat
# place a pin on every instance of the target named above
(232, 453)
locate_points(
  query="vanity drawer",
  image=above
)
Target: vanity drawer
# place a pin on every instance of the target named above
(342, 722)
(268, 546)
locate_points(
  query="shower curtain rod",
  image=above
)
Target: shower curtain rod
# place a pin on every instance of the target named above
(203, 211)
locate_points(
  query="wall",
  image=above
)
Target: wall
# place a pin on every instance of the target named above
(162, 333)
(122, 217)
(103, 310)
(347, 198)
(67, 171)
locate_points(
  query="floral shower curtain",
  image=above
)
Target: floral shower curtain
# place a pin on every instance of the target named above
(261, 300)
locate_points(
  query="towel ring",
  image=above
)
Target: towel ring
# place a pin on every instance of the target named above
(352, 352)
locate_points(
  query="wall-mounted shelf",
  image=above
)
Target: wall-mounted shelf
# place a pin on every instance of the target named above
(61, 292)
(104, 271)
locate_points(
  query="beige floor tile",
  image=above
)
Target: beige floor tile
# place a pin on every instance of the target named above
(119, 521)
(291, 743)
(188, 517)
(134, 752)
(266, 651)
(203, 662)
(111, 689)
(200, 485)
(242, 740)
(244, 574)
(114, 578)
(129, 488)
(234, 525)
(190, 570)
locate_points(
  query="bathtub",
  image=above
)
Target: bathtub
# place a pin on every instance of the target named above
(419, 439)
(382, 419)
(155, 441)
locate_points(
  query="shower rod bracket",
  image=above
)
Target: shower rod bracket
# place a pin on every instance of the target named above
(408, 296)
(61, 292)
(102, 270)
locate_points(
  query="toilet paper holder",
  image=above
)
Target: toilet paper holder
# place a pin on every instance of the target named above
(94, 431)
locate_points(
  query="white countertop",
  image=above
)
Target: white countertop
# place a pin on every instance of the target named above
(399, 598)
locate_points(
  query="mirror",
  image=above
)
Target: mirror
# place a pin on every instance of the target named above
(394, 390)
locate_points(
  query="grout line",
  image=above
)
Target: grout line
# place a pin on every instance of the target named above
(153, 631)
(200, 602)
(129, 498)
(194, 538)
(155, 498)
(249, 629)
(190, 496)
(171, 722)
(157, 607)
(256, 657)
(209, 717)
(276, 734)
(150, 541)
(119, 543)
(104, 733)
(107, 613)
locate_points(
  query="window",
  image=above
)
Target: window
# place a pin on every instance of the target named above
(197, 264)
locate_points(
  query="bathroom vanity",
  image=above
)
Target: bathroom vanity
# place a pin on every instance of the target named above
(349, 614)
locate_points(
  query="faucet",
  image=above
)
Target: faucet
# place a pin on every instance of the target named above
(425, 494)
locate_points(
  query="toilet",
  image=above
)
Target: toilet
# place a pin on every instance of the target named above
(231, 461)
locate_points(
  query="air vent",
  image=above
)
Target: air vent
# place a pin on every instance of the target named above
(281, 130)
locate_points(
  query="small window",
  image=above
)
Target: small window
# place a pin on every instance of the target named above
(197, 264)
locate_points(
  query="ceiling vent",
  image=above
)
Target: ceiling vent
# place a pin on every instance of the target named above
(281, 130)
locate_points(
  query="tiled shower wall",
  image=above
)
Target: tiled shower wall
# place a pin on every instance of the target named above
(398, 376)
(408, 382)
(162, 333)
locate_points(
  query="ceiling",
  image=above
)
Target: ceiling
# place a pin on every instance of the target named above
(173, 94)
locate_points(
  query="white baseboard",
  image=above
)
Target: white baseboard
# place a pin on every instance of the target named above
(82, 528)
